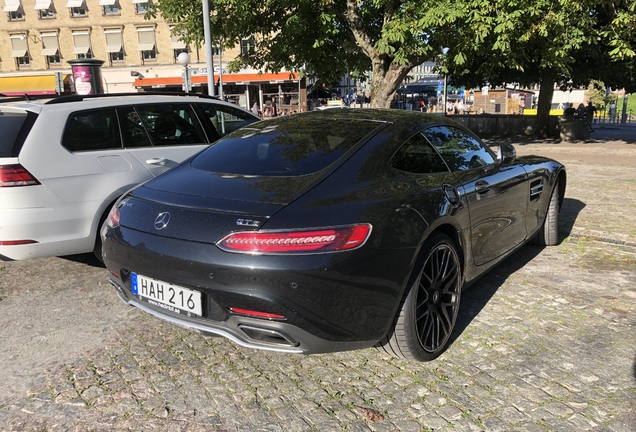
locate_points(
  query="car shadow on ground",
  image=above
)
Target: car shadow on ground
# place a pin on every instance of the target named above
(570, 210)
(87, 258)
(477, 296)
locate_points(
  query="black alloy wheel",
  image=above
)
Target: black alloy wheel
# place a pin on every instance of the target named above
(427, 317)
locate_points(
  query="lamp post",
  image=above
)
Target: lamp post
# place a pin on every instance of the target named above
(444, 51)
(184, 60)
(207, 38)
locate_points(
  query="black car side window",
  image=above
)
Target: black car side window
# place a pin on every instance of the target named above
(460, 150)
(92, 130)
(418, 156)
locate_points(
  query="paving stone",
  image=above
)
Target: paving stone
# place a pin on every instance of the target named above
(547, 345)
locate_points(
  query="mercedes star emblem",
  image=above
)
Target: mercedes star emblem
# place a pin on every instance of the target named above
(162, 221)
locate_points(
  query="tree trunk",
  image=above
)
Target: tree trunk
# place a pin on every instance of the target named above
(542, 122)
(385, 81)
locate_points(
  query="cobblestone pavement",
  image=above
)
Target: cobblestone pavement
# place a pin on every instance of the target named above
(545, 342)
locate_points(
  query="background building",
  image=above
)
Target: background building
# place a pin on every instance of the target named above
(38, 37)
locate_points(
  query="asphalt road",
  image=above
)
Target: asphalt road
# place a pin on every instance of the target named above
(546, 341)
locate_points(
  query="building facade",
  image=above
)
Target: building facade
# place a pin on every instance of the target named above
(40, 36)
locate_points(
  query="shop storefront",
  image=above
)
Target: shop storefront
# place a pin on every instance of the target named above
(34, 85)
(284, 91)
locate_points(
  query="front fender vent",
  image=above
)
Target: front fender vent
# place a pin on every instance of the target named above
(536, 188)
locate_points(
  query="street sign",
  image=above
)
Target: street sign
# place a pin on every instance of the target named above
(484, 90)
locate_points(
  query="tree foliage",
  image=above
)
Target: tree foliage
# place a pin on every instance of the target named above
(325, 38)
(497, 41)
(543, 42)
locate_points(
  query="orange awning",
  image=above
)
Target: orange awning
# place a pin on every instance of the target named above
(227, 79)
(30, 85)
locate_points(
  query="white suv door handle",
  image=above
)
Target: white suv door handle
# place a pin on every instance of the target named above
(158, 161)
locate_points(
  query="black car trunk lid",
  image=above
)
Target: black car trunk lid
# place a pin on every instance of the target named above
(204, 206)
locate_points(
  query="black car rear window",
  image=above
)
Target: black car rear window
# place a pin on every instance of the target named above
(294, 147)
(10, 124)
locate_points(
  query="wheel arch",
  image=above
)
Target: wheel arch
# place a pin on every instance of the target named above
(452, 232)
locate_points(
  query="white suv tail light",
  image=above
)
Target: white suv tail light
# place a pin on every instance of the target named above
(15, 176)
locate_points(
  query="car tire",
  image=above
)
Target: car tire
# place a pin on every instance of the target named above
(97, 249)
(548, 234)
(427, 314)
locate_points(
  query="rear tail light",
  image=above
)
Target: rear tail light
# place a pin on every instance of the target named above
(16, 175)
(316, 240)
(16, 242)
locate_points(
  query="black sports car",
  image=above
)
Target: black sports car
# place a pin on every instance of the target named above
(331, 230)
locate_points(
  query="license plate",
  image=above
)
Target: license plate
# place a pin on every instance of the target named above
(167, 296)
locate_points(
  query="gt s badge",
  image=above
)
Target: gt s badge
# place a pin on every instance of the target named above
(247, 222)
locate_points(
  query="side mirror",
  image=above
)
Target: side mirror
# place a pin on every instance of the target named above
(506, 153)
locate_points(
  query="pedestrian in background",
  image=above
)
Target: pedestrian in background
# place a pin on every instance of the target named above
(590, 112)
(570, 110)
(612, 112)
(580, 110)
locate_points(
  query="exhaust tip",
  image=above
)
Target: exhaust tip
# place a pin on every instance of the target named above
(268, 336)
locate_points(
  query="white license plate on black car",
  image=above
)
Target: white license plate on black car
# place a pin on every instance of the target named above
(170, 297)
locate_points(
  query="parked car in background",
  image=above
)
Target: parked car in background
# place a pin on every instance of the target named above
(64, 161)
(330, 230)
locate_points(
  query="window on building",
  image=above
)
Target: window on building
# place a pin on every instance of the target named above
(53, 60)
(111, 7)
(20, 50)
(14, 8)
(111, 10)
(82, 45)
(51, 49)
(247, 45)
(141, 6)
(45, 9)
(178, 51)
(78, 12)
(114, 45)
(23, 61)
(178, 46)
(116, 57)
(47, 14)
(77, 8)
(149, 55)
(147, 46)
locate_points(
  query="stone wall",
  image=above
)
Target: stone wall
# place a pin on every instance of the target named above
(500, 124)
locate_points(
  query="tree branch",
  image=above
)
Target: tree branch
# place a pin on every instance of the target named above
(357, 28)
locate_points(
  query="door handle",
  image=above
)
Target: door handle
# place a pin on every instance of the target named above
(158, 161)
(482, 186)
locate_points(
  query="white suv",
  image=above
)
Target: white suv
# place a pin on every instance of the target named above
(65, 161)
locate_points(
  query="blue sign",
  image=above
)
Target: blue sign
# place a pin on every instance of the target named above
(462, 94)
(440, 85)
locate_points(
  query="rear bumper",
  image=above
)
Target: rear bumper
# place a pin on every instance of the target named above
(56, 231)
(252, 333)
(331, 302)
